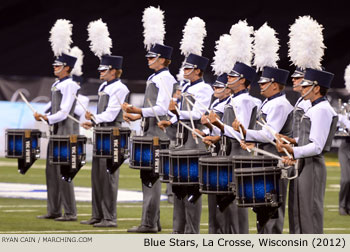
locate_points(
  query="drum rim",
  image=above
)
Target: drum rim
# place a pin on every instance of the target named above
(186, 151)
(214, 159)
(242, 157)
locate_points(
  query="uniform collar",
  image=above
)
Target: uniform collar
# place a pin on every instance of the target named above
(240, 92)
(275, 96)
(317, 101)
(111, 81)
(196, 82)
(161, 70)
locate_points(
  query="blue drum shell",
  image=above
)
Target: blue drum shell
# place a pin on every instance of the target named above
(61, 151)
(225, 178)
(144, 157)
(259, 188)
(187, 173)
(15, 145)
(103, 144)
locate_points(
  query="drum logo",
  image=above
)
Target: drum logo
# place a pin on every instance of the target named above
(156, 161)
(116, 148)
(28, 151)
(74, 157)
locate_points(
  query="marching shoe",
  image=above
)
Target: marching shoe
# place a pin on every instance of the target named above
(48, 216)
(106, 223)
(90, 222)
(143, 229)
(67, 217)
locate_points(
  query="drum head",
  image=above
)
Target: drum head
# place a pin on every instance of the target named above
(214, 160)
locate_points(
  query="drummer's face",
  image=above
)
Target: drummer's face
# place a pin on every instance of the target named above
(296, 84)
(305, 90)
(218, 92)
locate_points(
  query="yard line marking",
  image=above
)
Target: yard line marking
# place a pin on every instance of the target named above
(18, 210)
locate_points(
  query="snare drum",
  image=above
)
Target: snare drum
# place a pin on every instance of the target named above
(143, 151)
(69, 152)
(164, 166)
(257, 181)
(215, 175)
(105, 138)
(184, 166)
(23, 144)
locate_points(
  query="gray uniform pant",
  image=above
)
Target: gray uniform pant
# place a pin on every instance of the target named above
(344, 160)
(59, 192)
(187, 215)
(310, 195)
(151, 204)
(104, 190)
(233, 220)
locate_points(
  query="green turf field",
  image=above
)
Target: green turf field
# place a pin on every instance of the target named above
(19, 215)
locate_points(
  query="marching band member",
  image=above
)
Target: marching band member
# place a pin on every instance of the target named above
(316, 132)
(112, 91)
(344, 156)
(306, 50)
(59, 192)
(276, 110)
(159, 85)
(187, 200)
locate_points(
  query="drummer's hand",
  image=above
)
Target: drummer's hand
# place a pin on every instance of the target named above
(129, 117)
(37, 116)
(88, 115)
(163, 124)
(86, 125)
(204, 119)
(288, 161)
(172, 107)
(199, 132)
(213, 117)
(236, 125)
(245, 145)
(211, 139)
(280, 146)
(280, 136)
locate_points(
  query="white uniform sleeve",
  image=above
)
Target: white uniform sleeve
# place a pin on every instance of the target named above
(320, 126)
(113, 107)
(79, 110)
(67, 92)
(163, 99)
(204, 97)
(275, 118)
(230, 132)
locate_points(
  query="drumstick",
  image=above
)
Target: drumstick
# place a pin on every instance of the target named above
(30, 106)
(195, 132)
(272, 132)
(232, 132)
(266, 153)
(167, 91)
(85, 109)
(204, 108)
(76, 120)
(154, 112)
(234, 111)
(191, 119)
(188, 100)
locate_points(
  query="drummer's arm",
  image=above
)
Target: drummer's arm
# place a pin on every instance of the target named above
(113, 107)
(66, 104)
(319, 131)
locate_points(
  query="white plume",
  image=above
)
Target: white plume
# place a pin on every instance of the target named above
(98, 35)
(347, 78)
(306, 47)
(76, 52)
(154, 28)
(265, 47)
(180, 76)
(242, 41)
(223, 59)
(61, 37)
(193, 37)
